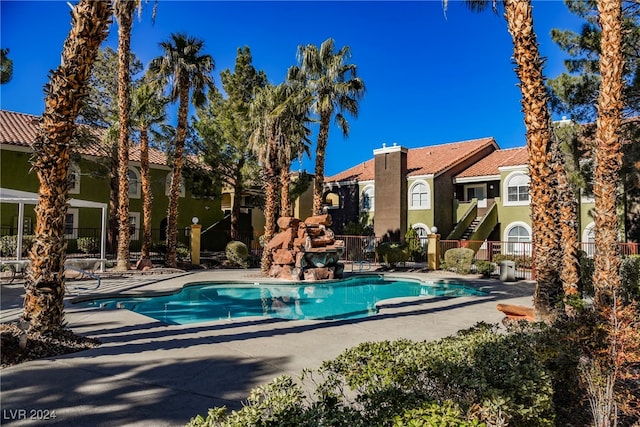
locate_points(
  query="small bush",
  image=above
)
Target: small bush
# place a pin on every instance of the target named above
(459, 260)
(392, 253)
(237, 253)
(88, 245)
(9, 245)
(484, 267)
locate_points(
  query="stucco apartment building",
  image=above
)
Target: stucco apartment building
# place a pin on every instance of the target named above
(470, 190)
(90, 187)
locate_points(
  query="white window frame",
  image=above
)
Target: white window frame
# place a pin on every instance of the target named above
(424, 239)
(74, 233)
(167, 185)
(372, 206)
(506, 186)
(415, 184)
(510, 227)
(588, 239)
(135, 234)
(74, 170)
(137, 190)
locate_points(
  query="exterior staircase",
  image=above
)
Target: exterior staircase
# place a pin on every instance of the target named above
(471, 228)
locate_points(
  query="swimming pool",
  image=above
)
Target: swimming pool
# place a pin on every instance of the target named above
(351, 298)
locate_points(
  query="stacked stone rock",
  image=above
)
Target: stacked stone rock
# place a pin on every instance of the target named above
(305, 250)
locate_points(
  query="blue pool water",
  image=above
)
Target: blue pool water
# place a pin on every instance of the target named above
(343, 299)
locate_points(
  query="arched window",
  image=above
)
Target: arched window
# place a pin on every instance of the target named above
(518, 237)
(516, 189)
(419, 196)
(134, 184)
(423, 233)
(168, 185)
(368, 199)
(74, 178)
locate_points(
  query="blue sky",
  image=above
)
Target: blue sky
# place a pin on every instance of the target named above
(430, 78)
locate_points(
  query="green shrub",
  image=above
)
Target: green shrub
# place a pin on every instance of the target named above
(446, 415)
(88, 245)
(9, 245)
(484, 267)
(392, 253)
(459, 260)
(478, 376)
(237, 253)
(520, 260)
(415, 250)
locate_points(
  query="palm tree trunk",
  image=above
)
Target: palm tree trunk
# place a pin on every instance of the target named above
(606, 277)
(271, 195)
(321, 148)
(285, 197)
(544, 203)
(568, 206)
(237, 199)
(147, 197)
(45, 286)
(174, 193)
(124, 14)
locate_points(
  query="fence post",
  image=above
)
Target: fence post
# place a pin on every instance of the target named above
(433, 252)
(195, 243)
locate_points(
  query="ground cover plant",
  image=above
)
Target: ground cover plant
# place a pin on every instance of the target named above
(480, 376)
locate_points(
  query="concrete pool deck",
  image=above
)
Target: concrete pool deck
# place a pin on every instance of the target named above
(146, 373)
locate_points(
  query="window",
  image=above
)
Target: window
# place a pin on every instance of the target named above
(517, 189)
(518, 239)
(332, 201)
(71, 224)
(419, 196)
(134, 225)
(74, 179)
(588, 239)
(423, 233)
(134, 184)
(368, 198)
(168, 185)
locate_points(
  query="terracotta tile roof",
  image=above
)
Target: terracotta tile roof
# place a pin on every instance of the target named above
(21, 130)
(434, 159)
(490, 165)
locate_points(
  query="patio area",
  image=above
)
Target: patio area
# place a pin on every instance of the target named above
(147, 373)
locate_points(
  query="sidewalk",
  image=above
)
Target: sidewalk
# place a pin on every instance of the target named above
(150, 374)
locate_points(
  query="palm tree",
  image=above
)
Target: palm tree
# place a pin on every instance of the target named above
(147, 111)
(278, 114)
(123, 12)
(186, 72)
(336, 88)
(546, 239)
(608, 154)
(65, 92)
(295, 136)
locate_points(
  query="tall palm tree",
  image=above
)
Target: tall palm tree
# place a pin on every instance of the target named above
(186, 71)
(546, 239)
(65, 92)
(336, 88)
(295, 142)
(147, 110)
(123, 11)
(273, 113)
(608, 153)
